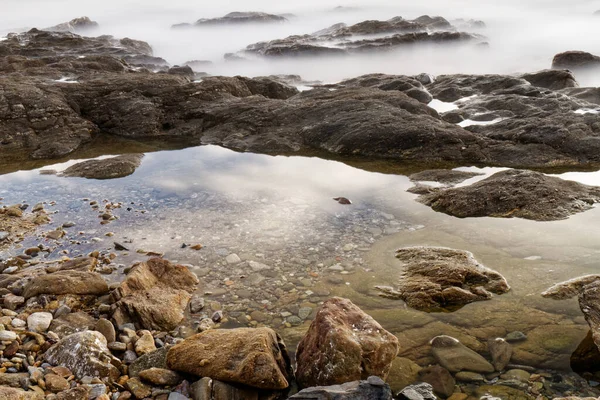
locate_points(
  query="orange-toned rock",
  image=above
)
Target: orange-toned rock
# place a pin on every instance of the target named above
(254, 357)
(343, 344)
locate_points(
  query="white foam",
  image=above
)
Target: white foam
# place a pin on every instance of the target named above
(587, 111)
(442, 106)
(470, 122)
(65, 79)
(304, 88)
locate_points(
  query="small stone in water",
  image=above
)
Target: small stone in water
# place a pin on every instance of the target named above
(217, 316)
(120, 247)
(515, 336)
(233, 259)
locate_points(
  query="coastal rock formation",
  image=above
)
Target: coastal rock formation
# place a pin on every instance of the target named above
(253, 357)
(343, 344)
(108, 168)
(76, 25)
(154, 295)
(515, 193)
(67, 282)
(575, 60)
(435, 278)
(236, 18)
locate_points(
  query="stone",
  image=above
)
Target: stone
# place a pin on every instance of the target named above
(68, 324)
(253, 357)
(55, 383)
(8, 393)
(160, 377)
(12, 302)
(39, 321)
(96, 390)
(145, 344)
(571, 288)
(500, 351)
(467, 376)
(107, 329)
(77, 393)
(402, 373)
(233, 259)
(107, 168)
(343, 344)
(515, 336)
(7, 336)
(66, 282)
(419, 391)
(575, 60)
(374, 389)
(438, 278)
(445, 176)
(137, 388)
(455, 357)
(517, 374)
(154, 294)
(202, 389)
(515, 194)
(13, 379)
(440, 380)
(85, 354)
(156, 359)
(196, 304)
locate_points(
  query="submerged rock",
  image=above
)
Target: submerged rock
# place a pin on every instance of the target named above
(374, 388)
(455, 356)
(250, 356)
(154, 295)
(571, 288)
(515, 193)
(343, 344)
(108, 168)
(435, 278)
(443, 176)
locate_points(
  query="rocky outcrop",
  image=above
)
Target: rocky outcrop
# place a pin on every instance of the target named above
(85, 354)
(239, 17)
(253, 357)
(67, 282)
(108, 168)
(445, 176)
(343, 344)
(575, 60)
(154, 295)
(374, 388)
(435, 278)
(76, 25)
(570, 288)
(516, 193)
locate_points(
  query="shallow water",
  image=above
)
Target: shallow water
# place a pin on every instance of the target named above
(279, 212)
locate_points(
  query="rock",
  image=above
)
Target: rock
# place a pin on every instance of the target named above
(12, 302)
(107, 329)
(402, 373)
(466, 376)
(455, 357)
(7, 335)
(85, 354)
(145, 344)
(463, 281)
(575, 60)
(551, 79)
(343, 344)
(13, 379)
(589, 302)
(8, 393)
(440, 380)
(196, 304)
(241, 18)
(517, 374)
(254, 357)
(233, 259)
(137, 388)
(419, 391)
(68, 324)
(516, 193)
(501, 351)
(570, 288)
(160, 377)
(77, 393)
(75, 25)
(154, 294)
(66, 282)
(446, 176)
(375, 389)
(39, 321)
(107, 168)
(515, 336)
(96, 390)
(156, 359)
(55, 383)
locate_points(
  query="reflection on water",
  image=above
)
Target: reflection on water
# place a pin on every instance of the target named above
(297, 246)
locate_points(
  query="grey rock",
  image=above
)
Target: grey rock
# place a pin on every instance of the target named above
(439, 378)
(156, 359)
(106, 328)
(501, 351)
(373, 389)
(419, 391)
(455, 357)
(515, 336)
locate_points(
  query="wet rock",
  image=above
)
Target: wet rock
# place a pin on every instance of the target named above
(464, 280)
(85, 354)
(80, 24)
(138, 389)
(443, 176)
(575, 60)
(516, 193)
(419, 391)
(500, 351)
(371, 389)
(551, 79)
(515, 336)
(517, 374)
(196, 304)
(160, 377)
(56, 383)
(108, 168)
(68, 324)
(466, 376)
(253, 357)
(343, 344)
(8, 393)
(155, 359)
(145, 344)
(440, 380)
(39, 321)
(402, 373)
(586, 358)
(238, 17)
(589, 302)
(455, 357)
(66, 282)
(154, 294)
(233, 259)
(571, 288)
(107, 329)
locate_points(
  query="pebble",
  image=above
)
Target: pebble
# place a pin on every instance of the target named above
(3, 235)
(39, 321)
(10, 270)
(7, 335)
(18, 323)
(515, 336)
(233, 259)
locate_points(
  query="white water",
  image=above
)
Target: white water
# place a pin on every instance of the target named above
(523, 36)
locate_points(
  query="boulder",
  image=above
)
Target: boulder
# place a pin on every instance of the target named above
(253, 357)
(589, 302)
(374, 388)
(575, 60)
(67, 282)
(440, 380)
(154, 295)
(454, 356)
(160, 377)
(402, 373)
(80, 24)
(238, 17)
(155, 359)
(436, 278)
(85, 354)
(68, 324)
(343, 344)
(571, 288)
(500, 351)
(515, 194)
(418, 391)
(107, 168)
(8, 393)
(551, 79)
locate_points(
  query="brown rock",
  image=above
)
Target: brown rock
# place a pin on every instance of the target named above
(501, 351)
(108, 168)
(440, 379)
(55, 383)
(155, 294)
(343, 344)
(145, 344)
(253, 357)
(160, 377)
(106, 328)
(68, 324)
(138, 389)
(8, 393)
(66, 282)
(403, 373)
(77, 393)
